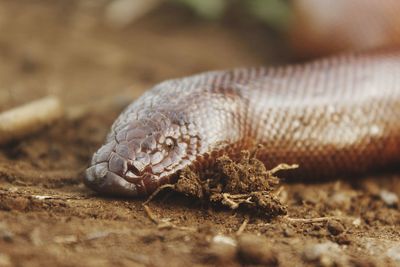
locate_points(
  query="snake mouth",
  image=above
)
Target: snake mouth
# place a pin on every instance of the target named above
(99, 178)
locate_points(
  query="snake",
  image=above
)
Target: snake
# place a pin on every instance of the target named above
(335, 116)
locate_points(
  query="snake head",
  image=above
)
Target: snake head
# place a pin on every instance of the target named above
(142, 154)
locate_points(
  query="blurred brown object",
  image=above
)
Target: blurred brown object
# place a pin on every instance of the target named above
(322, 27)
(120, 13)
(29, 118)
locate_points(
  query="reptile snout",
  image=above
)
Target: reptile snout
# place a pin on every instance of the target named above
(129, 164)
(99, 178)
(107, 170)
(142, 154)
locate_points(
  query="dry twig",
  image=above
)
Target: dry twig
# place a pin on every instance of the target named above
(311, 220)
(157, 192)
(243, 226)
(282, 167)
(164, 224)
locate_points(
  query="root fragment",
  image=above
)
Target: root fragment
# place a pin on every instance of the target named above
(311, 220)
(155, 193)
(282, 167)
(242, 226)
(163, 223)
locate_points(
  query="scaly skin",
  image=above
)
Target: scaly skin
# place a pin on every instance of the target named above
(335, 116)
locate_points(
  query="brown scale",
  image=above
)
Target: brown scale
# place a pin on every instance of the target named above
(336, 116)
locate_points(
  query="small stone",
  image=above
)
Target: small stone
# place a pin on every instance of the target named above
(343, 239)
(221, 250)
(5, 260)
(356, 222)
(389, 198)
(288, 232)
(66, 239)
(256, 250)
(221, 253)
(394, 253)
(335, 227)
(5, 234)
(326, 254)
(342, 199)
(226, 240)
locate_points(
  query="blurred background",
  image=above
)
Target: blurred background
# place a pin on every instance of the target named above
(87, 50)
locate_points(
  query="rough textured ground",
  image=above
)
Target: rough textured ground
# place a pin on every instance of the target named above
(48, 217)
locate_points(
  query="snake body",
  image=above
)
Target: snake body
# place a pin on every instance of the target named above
(334, 116)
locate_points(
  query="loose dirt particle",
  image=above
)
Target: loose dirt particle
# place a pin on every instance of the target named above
(389, 198)
(335, 227)
(342, 239)
(288, 232)
(5, 234)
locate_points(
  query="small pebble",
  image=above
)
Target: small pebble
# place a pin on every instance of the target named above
(226, 240)
(335, 227)
(253, 249)
(5, 260)
(342, 199)
(389, 198)
(220, 252)
(394, 253)
(356, 222)
(343, 239)
(327, 254)
(66, 239)
(288, 232)
(5, 234)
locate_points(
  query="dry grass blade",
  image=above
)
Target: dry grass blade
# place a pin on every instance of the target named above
(311, 220)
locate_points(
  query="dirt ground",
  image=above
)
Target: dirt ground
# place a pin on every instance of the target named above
(49, 218)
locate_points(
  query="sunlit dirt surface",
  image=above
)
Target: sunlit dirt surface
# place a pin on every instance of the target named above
(48, 217)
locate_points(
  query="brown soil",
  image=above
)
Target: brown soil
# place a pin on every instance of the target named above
(48, 217)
